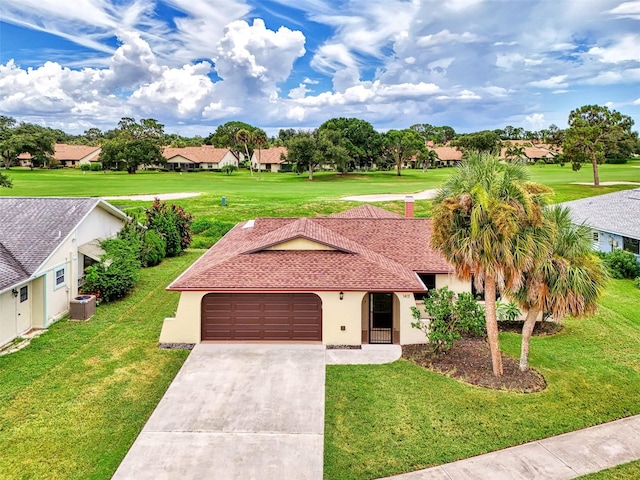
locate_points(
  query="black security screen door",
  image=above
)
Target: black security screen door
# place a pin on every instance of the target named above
(380, 317)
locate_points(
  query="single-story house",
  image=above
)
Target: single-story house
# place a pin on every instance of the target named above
(269, 159)
(45, 245)
(205, 157)
(447, 156)
(347, 279)
(613, 217)
(68, 155)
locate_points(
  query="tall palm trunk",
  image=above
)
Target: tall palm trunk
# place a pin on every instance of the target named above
(527, 331)
(491, 320)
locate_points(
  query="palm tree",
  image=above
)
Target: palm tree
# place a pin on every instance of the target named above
(483, 219)
(259, 139)
(243, 136)
(569, 280)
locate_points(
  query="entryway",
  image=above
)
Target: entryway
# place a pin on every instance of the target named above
(380, 318)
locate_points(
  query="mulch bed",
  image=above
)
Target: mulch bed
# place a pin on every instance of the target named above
(540, 329)
(469, 360)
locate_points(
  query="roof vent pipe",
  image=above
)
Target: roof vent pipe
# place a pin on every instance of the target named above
(408, 206)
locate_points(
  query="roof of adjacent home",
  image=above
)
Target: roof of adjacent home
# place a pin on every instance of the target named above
(73, 152)
(360, 249)
(33, 228)
(270, 155)
(201, 154)
(617, 212)
(448, 153)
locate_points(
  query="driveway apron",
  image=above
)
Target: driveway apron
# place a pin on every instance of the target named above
(237, 411)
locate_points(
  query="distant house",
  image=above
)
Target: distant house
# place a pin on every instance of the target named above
(74, 155)
(205, 157)
(270, 159)
(67, 155)
(45, 245)
(347, 279)
(447, 156)
(614, 219)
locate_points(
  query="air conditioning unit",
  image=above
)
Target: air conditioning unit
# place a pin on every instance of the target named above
(82, 307)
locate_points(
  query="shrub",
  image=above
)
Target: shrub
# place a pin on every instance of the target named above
(153, 250)
(229, 169)
(172, 223)
(449, 318)
(637, 282)
(621, 264)
(507, 311)
(95, 167)
(85, 167)
(116, 273)
(615, 161)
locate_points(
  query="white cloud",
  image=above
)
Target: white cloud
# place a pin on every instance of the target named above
(637, 101)
(535, 121)
(299, 92)
(622, 51)
(445, 36)
(627, 9)
(557, 81)
(256, 58)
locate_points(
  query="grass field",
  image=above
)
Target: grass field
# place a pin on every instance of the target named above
(73, 401)
(284, 194)
(387, 419)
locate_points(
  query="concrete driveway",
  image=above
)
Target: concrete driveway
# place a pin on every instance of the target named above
(243, 411)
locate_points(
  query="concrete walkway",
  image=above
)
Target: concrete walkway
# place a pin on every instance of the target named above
(248, 411)
(555, 458)
(367, 355)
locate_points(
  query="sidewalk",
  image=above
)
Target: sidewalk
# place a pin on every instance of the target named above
(555, 458)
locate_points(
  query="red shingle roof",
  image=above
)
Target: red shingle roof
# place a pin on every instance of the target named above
(366, 211)
(72, 152)
(270, 155)
(202, 154)
(372, 254)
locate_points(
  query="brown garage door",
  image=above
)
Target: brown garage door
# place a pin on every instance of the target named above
(262, 316)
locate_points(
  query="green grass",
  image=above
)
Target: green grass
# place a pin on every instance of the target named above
(74, 400)
(386, 419)
(282, 194)
(628, 471)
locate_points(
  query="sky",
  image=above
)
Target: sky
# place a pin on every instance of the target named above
(196, 64)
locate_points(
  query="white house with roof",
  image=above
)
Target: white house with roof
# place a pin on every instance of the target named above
(270, 159)
(614, 219)
(205, 157)
(45, 245)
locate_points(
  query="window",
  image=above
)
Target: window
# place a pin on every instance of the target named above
(631, 245)
(429, 280)
(595, 236)
(24, 294)
(60, 281)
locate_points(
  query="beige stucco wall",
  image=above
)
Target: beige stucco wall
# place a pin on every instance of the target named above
(454, 283)
(98, 224)
(300, 244)
(92, 157)
(184, 327)
(229, 159)
(337, 313)
(8, 329)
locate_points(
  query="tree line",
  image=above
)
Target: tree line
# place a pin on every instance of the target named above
(595, 134)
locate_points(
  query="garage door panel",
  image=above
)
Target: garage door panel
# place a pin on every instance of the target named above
(295, 317)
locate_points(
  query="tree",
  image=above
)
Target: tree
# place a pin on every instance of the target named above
(481, 142)
(515, 152)
(25, 138)
(358, 137)
(133, 144)
(226, 136)
(595, 132)
(260, 140)
(402, 145)
(243, 137)
(568, 280)
(303, 151)
(482, 223)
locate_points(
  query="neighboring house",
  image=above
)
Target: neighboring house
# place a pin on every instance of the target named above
(448, 156)
(614, 219)
(205, 157)
(45, 244)
(347, 279)
(270, 159)
(74, 155)
(534, 154)
(67, 155)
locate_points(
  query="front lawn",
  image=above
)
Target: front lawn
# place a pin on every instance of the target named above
(74, 400)
(387, 419)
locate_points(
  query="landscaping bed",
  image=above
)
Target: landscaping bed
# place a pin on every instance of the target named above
(469, 360)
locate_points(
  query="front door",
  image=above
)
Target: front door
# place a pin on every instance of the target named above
(23, 310)
(381, 318)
